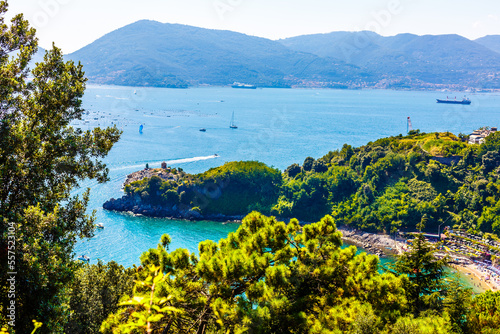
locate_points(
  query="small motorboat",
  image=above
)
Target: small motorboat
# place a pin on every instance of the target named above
(203, 130)
(100, 225)
(84, 258)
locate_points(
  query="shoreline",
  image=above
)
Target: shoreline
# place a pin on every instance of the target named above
(383, 245)
(477, 277)
(133, 205)
(378, 244)
(469, 90)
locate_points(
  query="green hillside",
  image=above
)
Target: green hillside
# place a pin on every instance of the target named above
(397, 182)
(392, 183)
(234, 188)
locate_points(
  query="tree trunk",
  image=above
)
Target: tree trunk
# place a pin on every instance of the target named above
(167, 327)
(202, 328)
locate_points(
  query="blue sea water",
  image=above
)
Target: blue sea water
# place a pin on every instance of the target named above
(276, 126)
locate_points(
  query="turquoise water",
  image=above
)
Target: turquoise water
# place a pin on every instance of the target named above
(276, 126)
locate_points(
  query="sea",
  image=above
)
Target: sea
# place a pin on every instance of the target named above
(276, 126)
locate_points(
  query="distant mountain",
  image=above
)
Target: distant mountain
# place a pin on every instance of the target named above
(441, 59)
(149, 53)
(492, 42)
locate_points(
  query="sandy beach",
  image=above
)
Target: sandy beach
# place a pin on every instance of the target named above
(382, 244)
(477, 277)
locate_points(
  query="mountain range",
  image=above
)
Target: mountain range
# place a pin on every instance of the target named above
(492, 42)
(149, 53)
(439, 60)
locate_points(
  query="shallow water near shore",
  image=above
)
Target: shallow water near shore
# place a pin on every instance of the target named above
(276, 126)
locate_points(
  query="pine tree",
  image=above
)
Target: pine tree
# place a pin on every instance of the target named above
(425, 274)
(268, 277)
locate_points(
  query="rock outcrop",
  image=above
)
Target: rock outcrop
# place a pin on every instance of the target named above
(379, 244)
(135, 205)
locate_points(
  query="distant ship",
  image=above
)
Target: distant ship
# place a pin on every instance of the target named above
(242, 85)
(232, 125)
(203, 130)
(455, 101)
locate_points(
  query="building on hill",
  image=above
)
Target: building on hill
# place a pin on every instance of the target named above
(478, 136)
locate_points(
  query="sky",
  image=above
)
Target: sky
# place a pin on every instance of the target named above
(72, 24)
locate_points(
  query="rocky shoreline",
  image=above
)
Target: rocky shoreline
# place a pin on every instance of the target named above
(378, 244)
(133, 205)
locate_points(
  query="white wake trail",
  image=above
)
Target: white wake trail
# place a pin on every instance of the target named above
(157, 163)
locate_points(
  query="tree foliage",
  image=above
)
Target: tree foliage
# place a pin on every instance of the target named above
(234, 188)
(293, 170)
(319, 166)
(424, 287)
(94, 293)
(269, 277)
(385, 185)
(42, 158)
(457, 305)
(484, 315)
(146, 309)
(273, 277)
(308, 164)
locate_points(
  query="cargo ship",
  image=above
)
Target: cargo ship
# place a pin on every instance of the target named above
(242, 85)
(455, 101)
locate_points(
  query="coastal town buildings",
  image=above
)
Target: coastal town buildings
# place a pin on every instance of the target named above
(478, 136)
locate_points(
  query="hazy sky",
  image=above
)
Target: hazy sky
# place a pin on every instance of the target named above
(72, 24)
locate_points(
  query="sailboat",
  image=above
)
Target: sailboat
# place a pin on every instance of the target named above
(232, 125)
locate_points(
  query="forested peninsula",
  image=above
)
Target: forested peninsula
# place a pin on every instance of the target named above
(391, 183)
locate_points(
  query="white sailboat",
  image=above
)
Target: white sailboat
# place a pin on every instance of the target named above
(232, 125)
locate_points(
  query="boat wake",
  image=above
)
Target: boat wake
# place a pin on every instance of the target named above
(117, 176)
(116, 97)
(157, 163)
(187, 160)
